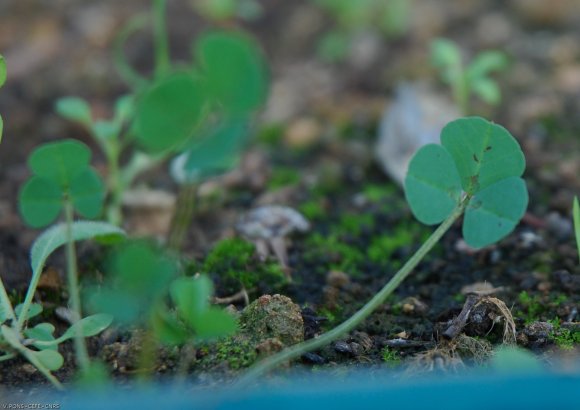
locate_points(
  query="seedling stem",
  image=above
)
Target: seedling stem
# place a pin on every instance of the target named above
(312, 344)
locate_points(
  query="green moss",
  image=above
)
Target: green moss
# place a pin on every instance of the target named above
(532, 307)
(234, 261)
(271, 134)
(382, 247)
(237, 352)
(312, 209)
(353, 224)
(340, 255)
(284, 176)
(376, 193)
(391, 357)
(564, 338)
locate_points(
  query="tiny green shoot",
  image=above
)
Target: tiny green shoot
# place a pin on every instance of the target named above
(471, 79)
(477, 171)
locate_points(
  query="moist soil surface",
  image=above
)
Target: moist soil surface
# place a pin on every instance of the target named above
(314, 146)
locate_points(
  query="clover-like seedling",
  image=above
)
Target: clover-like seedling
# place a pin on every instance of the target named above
(141, 279)
(467, 79)
(477, 171)
(477, 162)
(62, 179)
(193, 318)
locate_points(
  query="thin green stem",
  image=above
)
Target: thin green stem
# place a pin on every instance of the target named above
(115, 183)
(6, 306)
(82, 354)
(297, 350)
(7, 356)
(139, 163)
(126, 71)
(184, 210)
(160, 39)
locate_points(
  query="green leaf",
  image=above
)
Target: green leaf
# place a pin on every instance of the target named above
(124, 108)
(494, 212)
(40, 201)
(55, 237)
(138, 276)
(42, 332)
(483, 152)
(35, 309)
(485, 63)
(88, 326)
(50, 359)
(74, 109)
(60, 161)
(235, 71)
(191, 296)
(432, 185)
(2, 71)
(105, 130)
(576, 216)
(487, 89)
(484, 160)
(169, 112)
(218, 152)
(87, 193)
(215, 323)
(446, 56)
(168, 329)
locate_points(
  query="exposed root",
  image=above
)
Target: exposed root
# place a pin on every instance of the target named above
(443, 358)
(498, 312)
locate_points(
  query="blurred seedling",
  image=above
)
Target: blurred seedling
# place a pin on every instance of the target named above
(140, 277)
(475, 172)
(38, 343)
(389, 18)
(198, 114)
(63, 182)
(468, 79)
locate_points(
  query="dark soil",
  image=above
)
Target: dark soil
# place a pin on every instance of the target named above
(64, 49)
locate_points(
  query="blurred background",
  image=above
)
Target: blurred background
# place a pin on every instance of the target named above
(335, 65)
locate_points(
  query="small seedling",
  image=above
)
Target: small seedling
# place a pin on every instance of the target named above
(389, 18)
(477, 172)
(468, 79)
(576, 217)
(197, 114)
(38, 344)
(140, 277)
(62, 181)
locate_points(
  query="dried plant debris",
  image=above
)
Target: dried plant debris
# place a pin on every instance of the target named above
(268, 226)
(479, 316)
